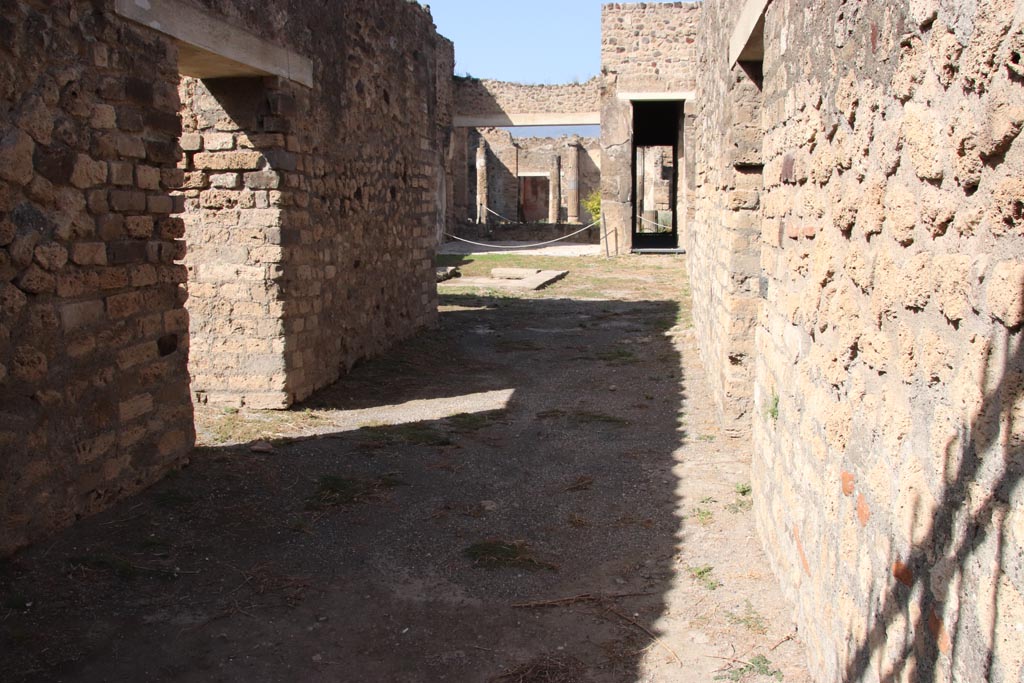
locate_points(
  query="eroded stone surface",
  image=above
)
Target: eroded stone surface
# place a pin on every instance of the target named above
(305, 252)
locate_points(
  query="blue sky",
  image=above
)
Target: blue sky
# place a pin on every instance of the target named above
(528, 41)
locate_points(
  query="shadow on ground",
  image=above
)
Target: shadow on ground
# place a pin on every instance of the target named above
(534, 541)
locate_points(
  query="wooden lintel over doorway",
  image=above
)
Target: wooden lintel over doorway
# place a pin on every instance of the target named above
(210, 47)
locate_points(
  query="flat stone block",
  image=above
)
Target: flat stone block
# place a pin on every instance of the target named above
(536, 280)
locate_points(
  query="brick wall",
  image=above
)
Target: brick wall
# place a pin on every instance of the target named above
(311, 216)
(94, 396)
(320, 251)
(889, 371)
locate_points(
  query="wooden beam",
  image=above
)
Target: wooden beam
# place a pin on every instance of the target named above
(210, 47)
(750, 17)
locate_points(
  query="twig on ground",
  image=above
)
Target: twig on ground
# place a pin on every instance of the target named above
(485, 649)
(646, 630)
(158, 570)
(583, 597)
(731, 660)
(126, 519)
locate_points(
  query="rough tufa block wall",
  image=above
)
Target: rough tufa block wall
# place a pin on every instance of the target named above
(311, 213)
(889, 373)
(650, 45)
(94, 395)
(646, 47)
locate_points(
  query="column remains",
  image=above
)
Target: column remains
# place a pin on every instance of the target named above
(572, 179)
(555, 195)
(481, 183)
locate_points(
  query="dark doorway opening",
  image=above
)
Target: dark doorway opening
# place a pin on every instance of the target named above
(534, 199)
(656, 127)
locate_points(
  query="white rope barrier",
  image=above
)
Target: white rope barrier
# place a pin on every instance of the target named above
(500, 216)
(522, 246)
(660, 225)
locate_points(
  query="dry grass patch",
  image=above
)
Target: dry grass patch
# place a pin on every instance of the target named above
(498, 554)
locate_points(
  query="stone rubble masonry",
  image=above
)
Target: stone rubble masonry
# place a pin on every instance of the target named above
(646, 47)
(482, 97)
(311, 217)
(650, 46)
(883, 161)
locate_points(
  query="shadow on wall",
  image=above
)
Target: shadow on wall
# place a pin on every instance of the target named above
(946, 587)
(94, 398)
(357, 548)
(473, 98)
(239, 150)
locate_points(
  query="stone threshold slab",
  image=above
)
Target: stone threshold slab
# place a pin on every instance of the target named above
(519, 279)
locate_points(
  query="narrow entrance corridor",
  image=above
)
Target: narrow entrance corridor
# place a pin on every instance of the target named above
(534, 491)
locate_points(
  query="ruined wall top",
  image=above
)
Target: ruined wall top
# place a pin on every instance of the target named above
(650, 46)
(300, 25)
(488, 98)
(292, 21)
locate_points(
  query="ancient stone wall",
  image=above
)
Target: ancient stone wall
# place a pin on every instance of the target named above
(538, 154)
(94, 395)
(311, 215)
(723, 235)
(502, 172)
(646, 48)
(508, 157)
(477, 97)
(463, 206)
(889, 374)
(650, 46)
(318, 209)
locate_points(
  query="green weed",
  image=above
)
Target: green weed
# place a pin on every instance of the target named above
(702, 575)
(749, 619)
(702, 515)
(17, 601)
(412, 434)
(171, 498)
(584, 417)
(743, 500)
(758, 665)
(618, 356)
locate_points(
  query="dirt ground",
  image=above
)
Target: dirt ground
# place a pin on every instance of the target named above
(535, 491)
